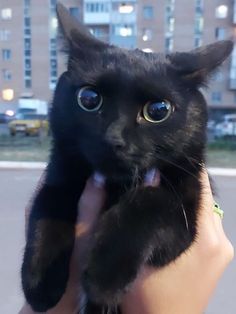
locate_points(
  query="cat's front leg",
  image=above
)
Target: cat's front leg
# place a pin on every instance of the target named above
(128, 235)
(50, 238)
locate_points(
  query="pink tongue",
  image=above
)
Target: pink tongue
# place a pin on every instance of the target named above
(152, 177)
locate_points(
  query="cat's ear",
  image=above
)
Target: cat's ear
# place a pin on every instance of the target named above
(75, 33)
(197, 65)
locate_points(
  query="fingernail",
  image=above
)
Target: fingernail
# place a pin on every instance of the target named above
(98, 179)
(152, 177)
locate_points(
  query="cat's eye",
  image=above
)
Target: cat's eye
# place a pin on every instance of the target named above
(89, 99)
(157, 111)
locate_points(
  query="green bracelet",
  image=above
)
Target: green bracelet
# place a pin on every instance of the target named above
(218, 210)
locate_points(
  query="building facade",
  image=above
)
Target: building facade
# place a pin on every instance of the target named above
(30, 62)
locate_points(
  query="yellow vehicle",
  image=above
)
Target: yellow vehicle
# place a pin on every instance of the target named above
(29, 124)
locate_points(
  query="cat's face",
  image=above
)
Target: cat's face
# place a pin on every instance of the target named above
(127, 110)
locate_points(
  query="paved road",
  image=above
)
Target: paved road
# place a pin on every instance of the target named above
(16, 188)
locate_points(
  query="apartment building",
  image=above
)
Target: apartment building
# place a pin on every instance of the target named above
(30, 62)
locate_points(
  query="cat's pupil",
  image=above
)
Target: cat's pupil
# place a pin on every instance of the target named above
(157, 111)
(89, 99)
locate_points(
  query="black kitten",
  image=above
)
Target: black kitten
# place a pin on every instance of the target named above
(122, 113)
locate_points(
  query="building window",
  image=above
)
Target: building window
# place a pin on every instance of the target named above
(6, 14)
(27, 43)
(7, 94)
(27, 64)
(126, 8)
(6, 54)
(220, 33)
(28, 73)
(199, 23)
(147, 34)
(28, 83)
(216, 97)
(170, 22)
(4, 35)
(74, 12)
(97, 7)
(6, 74)
(197, 42)
(148, 12)
(221, 11)
(123, 30)
(169, 44)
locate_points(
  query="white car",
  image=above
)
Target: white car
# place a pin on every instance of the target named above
(227, 127)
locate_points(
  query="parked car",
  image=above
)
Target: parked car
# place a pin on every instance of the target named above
(226, 127)
(29, 124)
(5, 118)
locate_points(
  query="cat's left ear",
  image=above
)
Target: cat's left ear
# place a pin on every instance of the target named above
(75, 33)
(197, 65)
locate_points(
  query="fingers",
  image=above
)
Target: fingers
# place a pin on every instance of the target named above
(90, 204)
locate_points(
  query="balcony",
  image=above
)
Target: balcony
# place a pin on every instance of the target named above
(97, 18)
(234, 12)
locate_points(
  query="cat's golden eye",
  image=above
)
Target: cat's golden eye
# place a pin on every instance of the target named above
(89, 99)
(157, 111)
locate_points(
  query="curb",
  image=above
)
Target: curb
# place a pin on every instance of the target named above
(14, 165)
(8, 165)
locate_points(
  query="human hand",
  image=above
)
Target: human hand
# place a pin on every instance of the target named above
(186, 285)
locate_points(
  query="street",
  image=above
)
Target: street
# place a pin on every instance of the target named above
(16, 189)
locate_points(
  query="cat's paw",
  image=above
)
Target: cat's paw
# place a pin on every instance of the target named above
(43, 288)
(106, 284)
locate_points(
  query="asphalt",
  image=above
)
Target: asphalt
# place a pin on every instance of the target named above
(16, 187)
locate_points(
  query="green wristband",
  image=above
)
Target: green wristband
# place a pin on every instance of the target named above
(218, 210)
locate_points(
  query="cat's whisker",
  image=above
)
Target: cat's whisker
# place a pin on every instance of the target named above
(178, 166)
(178, 196)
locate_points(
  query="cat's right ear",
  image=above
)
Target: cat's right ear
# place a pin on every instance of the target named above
(75, 33)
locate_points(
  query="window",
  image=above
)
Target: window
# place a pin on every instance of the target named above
(97, 7)
(27, 32)
(28, 73)
(53, 63)
(126, 8)
(148, 12)
(74, 12)
(169, 44)
(6, 74)
(4, 35)
(199, 6)
(199, 22)
(28, 83)
(53, 53)
(6, 54)
(170, 21)
(6, 14)
(27, 21)
(197, 42)
(27, 3)
(216, 97)
(53, 44)
(27, 53)
(147, 34)
(7, 94)
(222, 11)
(27, 43)
(220, 33)
(123, 30)
(27, 64)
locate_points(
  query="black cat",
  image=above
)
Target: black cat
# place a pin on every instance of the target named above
(122, 113)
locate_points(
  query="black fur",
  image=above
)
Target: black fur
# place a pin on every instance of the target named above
(139, 224)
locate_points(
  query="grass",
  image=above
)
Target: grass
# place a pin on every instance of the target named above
(21, 148)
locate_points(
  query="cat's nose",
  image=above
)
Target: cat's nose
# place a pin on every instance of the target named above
(116, 141)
